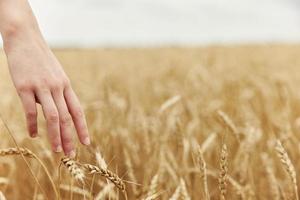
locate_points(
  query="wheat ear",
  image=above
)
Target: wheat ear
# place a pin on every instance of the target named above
(202, 166)
(16, 151)
(74, 169)
(176, 194)
(131, 174)
(170, 102)
(153, 186)
(92, 169)
(184, 193)
(287, 165)
(223, 172)
(2, 197)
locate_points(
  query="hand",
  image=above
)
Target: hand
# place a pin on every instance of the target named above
(39, 78)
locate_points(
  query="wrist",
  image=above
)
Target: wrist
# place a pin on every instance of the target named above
(16, 32)
(16, 17)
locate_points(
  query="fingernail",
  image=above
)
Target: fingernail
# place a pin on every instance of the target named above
(72, 154)
(58, 149)
(87, 141)
(34, 134)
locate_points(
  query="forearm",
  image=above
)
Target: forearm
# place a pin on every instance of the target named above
(17, 22)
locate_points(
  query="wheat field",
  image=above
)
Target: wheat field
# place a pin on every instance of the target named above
(166, 123)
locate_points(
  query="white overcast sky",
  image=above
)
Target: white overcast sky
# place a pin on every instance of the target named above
(167, 22)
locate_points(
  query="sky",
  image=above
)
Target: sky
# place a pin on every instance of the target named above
(92, 23)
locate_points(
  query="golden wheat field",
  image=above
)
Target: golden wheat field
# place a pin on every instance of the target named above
(166, 123)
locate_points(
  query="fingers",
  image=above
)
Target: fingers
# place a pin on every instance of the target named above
(29, 105)
(77, 115)
(52, 118)
(60, 107)
(65, 121)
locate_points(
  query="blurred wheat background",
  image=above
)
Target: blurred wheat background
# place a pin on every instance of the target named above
(173, 123)
(185, 100)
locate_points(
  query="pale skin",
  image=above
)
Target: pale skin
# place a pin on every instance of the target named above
(39, 78)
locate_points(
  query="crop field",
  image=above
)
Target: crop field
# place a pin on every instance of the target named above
(166, 123)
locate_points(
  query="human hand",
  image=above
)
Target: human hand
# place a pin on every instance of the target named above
(39, 78)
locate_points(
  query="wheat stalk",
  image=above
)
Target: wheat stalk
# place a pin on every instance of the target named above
(27, 164)
(287, 165)
(223, 172)
(73, 168)
(24, 152)
(225, 119)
